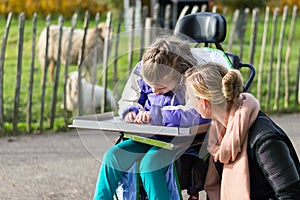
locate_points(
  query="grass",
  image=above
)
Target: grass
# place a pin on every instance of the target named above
(10, 70)
(10, 73)
(293, 62)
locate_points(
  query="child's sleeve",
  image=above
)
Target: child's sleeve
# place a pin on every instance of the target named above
(179, 116)
(131, 99)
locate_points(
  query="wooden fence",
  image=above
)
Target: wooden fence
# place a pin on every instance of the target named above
(247, 32)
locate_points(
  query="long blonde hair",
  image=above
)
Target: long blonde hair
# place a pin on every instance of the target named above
(168, 57)
(213, 82)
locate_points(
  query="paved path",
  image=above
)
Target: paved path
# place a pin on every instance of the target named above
(65, 165)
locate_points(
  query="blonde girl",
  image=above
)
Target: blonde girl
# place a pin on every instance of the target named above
(251, 156)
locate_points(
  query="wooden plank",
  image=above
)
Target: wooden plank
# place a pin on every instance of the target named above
(142, 41)
(81, 59)
(262, 53)
(31, 76)
(204, 8)
(183, 12)
(287, 58)
(148, 32)
(116, 55)
(213, 10)
(273, 37)
(243, 31)
(297, 83)
(74, 20)
(167, 17)
(94, 60)
(233, 29)
(279, 58)
(48, 21)
(252, 46)
(105, 60)
(56, 80)
(131, 40)
(19, 71)
(2, 57)
(196, 9)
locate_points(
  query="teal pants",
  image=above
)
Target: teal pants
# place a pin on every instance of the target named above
(154, 162)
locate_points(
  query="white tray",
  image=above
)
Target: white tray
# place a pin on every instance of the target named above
(107, 122)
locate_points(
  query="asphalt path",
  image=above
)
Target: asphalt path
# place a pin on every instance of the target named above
(65, 165)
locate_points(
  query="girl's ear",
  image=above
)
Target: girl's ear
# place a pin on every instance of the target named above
(202, 102)
(205, 104)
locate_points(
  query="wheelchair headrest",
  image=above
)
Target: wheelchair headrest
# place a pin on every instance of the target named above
(202, 27)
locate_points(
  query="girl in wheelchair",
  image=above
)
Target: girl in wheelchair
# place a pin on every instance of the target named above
(154, 94)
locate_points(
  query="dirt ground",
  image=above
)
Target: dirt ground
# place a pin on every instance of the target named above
(65, 165)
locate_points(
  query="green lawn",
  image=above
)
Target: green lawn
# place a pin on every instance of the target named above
(10, 69)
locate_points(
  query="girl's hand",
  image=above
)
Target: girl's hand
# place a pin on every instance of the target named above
(143, 117)
(130, 117)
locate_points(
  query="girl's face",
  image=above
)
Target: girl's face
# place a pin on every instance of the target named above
(163, 87)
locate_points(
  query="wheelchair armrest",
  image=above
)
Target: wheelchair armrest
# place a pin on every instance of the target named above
(235, 61)
(251, 75)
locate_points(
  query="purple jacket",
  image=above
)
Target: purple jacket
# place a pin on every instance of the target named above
(168, 109)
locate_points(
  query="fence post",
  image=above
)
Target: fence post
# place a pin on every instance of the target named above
(279, 56)
(56, 80)
(214, 9)
(116, 54)
(252, 45)
(131, 39)
(74, 19)
(297, 83)
(148, 33)
(94, 59)
(196, 9)
(224, 10)
(151, 24)
(31, 78)
(48, 18)
(155, 14)
(81, 58)
(142, 41)
(273, 37)
(287, 58)
(204, 8)
(167, 23)
(182, 14)
(243, 30)
(105, 60)
(2, 57)
(19, 71)
(262, 53)
(233, 28)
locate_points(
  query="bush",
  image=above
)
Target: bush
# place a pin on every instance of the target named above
(45, 7)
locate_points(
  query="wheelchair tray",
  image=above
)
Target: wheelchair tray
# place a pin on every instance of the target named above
(138, 132)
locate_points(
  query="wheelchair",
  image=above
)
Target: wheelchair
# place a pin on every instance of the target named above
(207, 29)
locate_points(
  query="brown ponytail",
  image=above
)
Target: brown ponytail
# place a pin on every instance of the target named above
(232, 84)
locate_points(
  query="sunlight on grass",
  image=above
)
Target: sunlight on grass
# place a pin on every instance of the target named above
(123, 69)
